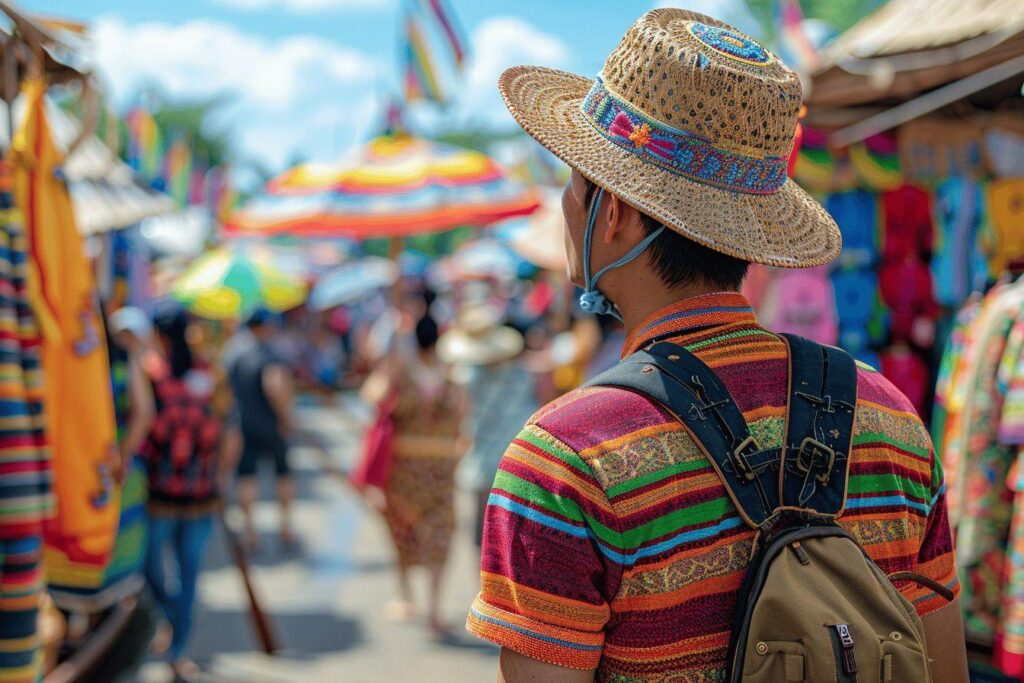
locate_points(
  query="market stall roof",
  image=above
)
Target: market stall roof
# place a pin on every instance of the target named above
(908, 47)
(105, 191)
(24, 37)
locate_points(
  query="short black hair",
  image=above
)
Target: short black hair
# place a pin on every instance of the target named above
(679, 261)
(427, 333)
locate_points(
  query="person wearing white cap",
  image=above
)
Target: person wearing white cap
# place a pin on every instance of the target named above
(501, 391)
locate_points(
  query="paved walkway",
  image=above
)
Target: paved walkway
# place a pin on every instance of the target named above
(326, 601)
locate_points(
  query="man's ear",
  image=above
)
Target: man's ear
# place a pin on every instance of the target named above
(613, 213)
(619, 216)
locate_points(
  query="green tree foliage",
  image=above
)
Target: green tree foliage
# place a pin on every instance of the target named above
(195, 121)
(842, 14)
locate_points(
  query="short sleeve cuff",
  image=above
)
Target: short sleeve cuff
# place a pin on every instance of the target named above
(537, 640)
(926, 600)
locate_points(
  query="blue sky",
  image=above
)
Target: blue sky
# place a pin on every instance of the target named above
(306, 77)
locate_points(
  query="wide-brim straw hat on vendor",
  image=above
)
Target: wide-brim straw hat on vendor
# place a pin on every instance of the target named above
(479, 338)
(691, 122)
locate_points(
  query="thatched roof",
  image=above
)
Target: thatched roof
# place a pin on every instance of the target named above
(907, 47)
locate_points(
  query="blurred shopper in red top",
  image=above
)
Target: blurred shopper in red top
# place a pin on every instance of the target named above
(181, 453)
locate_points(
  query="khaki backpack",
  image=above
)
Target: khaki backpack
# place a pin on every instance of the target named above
(813, 606)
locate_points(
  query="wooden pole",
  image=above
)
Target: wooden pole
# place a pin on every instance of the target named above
(926, 103)
(260, 620)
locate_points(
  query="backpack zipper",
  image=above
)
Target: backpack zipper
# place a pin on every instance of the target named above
(842, 649)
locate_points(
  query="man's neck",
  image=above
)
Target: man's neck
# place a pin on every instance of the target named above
(637, 307)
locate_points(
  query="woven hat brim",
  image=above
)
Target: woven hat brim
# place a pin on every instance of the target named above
(787, 228)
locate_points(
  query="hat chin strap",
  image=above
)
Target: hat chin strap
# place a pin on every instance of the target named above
(592, 300)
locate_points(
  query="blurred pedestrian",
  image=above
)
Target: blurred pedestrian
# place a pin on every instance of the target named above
(182, 457)
(501, 395)
(418, 498)
(264, 400)
(131, 330)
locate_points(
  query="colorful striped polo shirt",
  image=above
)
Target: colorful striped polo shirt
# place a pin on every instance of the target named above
(610, 542)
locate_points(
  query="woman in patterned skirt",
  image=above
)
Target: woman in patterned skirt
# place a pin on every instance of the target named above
(418, 500)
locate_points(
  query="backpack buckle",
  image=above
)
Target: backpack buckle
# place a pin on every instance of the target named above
(813, 453)
(739, 458)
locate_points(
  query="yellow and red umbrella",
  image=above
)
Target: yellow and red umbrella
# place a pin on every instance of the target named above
(397, 185)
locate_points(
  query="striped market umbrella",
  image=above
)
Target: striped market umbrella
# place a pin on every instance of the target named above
(225, 285)
(397, 185)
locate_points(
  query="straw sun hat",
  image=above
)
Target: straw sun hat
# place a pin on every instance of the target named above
(478, 338)
(691, 122)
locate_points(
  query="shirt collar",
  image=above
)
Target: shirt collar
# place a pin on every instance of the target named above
(689, 315)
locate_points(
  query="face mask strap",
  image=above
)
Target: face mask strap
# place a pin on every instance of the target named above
(592, 300)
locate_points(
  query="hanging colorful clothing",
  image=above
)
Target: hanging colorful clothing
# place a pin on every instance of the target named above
(945, 410)
(1009, 643)
(26, 500)
(856, 214)
(1008, 646)
(79, 405)
(1006, 213)
(802, 302)
(124, 573)
(909, 373)
(958, 263)
(1011, 383)
(907, 229)
(985, 504)
(906, 288)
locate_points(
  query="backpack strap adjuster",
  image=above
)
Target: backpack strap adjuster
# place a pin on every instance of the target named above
(812, 455)
(739, 458)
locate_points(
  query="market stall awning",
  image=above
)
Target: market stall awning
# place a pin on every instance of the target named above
(908, 47)
(394, 186)
(105, 192)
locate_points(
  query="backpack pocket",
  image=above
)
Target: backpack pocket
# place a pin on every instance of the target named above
(776, 661)
(900, 662)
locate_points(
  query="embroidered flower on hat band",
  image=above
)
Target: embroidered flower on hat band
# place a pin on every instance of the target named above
(678, 151)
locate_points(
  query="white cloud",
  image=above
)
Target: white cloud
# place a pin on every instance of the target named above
(204, 57)
(498, 43)
(305, 6)
(274, 85)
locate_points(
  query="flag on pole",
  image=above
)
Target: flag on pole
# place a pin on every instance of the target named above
(178, 171)
(145, 143)
(220, 192)
(796, 48)
(421, 82)
(449, 27)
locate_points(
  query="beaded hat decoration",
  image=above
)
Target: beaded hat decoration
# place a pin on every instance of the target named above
(692, 122)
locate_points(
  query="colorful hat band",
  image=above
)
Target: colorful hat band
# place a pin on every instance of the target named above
(677, 151)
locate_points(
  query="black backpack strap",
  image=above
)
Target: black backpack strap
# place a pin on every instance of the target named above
(819, 430)
(679, 381)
